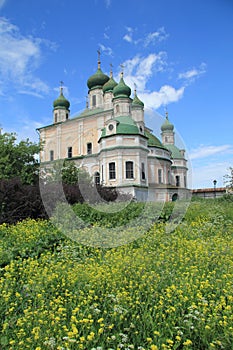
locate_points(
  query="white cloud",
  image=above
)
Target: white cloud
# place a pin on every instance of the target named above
(149, 39)
(164, 96)
(210, 163)
(107, 50)
(156, 36)
(139, 70)
(206, 151)
(128, 37)
(203, 175)
(193, 73)
(20, 56)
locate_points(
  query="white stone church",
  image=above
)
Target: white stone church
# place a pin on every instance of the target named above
(110, 140)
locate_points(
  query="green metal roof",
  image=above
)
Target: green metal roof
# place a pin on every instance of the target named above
(109, 86)
(137, 101)
(97, 79)
(126, 125)
(153, 141)
(61, 102)
(175, 152)
(167, 126)
(121, 89)
(87, 112)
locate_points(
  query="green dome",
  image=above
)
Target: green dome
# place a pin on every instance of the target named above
(167, 126)
(97, 80)
(121, 89)
(137, 101)
(153, 141)
(109, 86)
(61, 102)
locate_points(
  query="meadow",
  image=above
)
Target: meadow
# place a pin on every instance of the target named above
(167, 289)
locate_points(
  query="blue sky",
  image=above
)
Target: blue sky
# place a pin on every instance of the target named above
(178, 52)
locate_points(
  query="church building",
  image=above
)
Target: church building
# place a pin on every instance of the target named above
(110, 140)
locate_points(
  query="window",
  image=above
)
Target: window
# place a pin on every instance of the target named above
(97, 178)
(111, 127)
(89, 148)
(177, 180)
(51, 155)
(160, 176)
(143, 171)
(55, 117)
(185, 181)
(112, 171)
(69, 152)
(169, 177)
(93, 100)
(129, 170)
(67, 116)
(117, 109)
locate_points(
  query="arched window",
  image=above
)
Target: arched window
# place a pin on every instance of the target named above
(51, 155)
(89, 148)
(160, 176)
(185, 181)
(177, 181)
(129, 170)
(175, 197)
(93, 100)
(69, 152)
(143, 174)
(97, 178)
(112, 170)
(169, 177)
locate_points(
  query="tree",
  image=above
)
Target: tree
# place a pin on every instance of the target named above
(18, 159)
(71, 174)
(229, 179)
(65, 171)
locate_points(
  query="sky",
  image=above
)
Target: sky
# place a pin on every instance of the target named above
(179, 53)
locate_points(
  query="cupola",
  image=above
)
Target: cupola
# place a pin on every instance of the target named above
(98, 79)
(61, 102)
(61, 105)
(136, 100)
(110, 84)
(121, 89)
(167, 126)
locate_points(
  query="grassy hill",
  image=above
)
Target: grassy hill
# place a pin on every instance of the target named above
(167, 289)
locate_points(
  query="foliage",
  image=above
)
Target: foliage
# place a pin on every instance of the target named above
(229, 178)
(19, 201)
(18, 159)
(164, 291)
(123, 213)
(66, 172)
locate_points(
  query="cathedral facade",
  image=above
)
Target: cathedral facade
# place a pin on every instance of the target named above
(110, 140)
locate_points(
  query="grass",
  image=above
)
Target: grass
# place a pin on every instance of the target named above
(165, 290)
